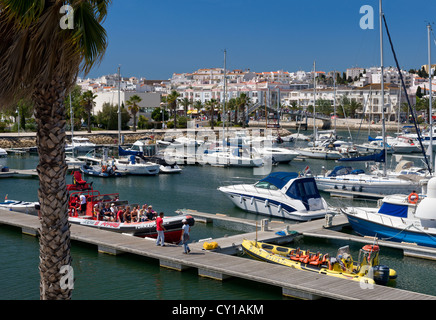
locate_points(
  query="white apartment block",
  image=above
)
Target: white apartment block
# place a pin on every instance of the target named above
(369, 97)
(150, 100)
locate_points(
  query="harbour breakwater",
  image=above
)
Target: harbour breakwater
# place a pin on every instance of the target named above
(28, 139)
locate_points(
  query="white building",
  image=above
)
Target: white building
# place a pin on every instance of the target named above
(150, 100)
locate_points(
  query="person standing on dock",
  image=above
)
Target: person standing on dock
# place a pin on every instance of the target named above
(160, 230)
(185, 236)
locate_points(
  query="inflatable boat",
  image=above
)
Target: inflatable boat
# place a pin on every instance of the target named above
(366, 269)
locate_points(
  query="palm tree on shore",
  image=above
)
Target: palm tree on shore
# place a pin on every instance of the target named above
(133, 107)
(242, 101)
(210, 105)
(185, 102)
(88, 103)
(40, 59)
(172, 102)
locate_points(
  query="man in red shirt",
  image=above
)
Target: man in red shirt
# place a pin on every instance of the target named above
(160, 230)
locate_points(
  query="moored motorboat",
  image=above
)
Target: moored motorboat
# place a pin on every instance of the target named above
(133, 165)
(80, 144)
(367, 269)
(94, 218)
(19, 206)
(3, 153)
(281, 194)
(402, 218)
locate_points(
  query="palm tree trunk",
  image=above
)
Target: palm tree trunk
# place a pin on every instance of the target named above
(52, 193)
(89, 121)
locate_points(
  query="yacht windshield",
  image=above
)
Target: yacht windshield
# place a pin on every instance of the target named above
(303, 189)
(265, 185)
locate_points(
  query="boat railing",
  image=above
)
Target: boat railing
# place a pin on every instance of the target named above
(382, 217)
(260, 190)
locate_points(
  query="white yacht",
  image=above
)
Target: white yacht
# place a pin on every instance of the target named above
(80, 144)
(133, 165)
(277, 155)
(231, 157)
(280, 194)
(3, 153)
(345, 178)
(402, 218)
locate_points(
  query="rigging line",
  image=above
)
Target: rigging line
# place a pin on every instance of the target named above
(407, 96)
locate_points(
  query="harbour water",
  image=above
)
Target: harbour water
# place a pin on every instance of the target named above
(128, 277)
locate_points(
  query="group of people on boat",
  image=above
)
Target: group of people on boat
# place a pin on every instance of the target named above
(124, 213)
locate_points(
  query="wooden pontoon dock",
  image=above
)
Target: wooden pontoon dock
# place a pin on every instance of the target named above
(216, 265)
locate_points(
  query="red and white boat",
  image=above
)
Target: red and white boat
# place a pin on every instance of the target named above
(172, 224)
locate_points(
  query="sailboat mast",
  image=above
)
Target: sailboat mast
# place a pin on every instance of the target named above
(224, 89)
(382, 87)
(119, 106)
(334, 99)
(314, 102)
(430, 147)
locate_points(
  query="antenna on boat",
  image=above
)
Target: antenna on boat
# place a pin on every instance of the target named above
(382, 87)
(119, 106)
(430, 146)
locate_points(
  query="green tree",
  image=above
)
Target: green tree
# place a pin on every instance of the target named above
(171, 100)
(241, 102)
(108, 117)
(185, 102)
(133, 106)
(210, 105)
(40, 60)
(88, 103)
(418, 92)
(156, 115)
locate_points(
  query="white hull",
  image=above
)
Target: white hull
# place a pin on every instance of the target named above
(277, 154)
(320, 153)
(268, 208)
(138, 169)
(228, 160)
(19, 206)
(3, 153)
(367, 183)
(280, 194)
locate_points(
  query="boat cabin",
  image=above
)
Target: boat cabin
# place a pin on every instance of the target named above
(295, 187)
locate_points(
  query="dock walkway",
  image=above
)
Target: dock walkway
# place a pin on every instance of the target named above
(295, 283)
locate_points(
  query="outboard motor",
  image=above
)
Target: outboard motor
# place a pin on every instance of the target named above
(380, 274)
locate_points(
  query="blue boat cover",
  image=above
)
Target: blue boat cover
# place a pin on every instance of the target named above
(280, 179)
(394, 210)
(376, 157)
(123, 152)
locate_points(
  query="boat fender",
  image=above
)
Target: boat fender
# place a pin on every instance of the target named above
(210, 245)
(413, 198)
(344, 187)
(279, 208)
(266, 203)
(360, 189)
(240, 199)
(252, 200)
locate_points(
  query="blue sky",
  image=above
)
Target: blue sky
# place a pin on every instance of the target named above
(154, 39)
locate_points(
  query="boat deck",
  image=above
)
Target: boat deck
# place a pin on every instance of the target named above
(295, 283)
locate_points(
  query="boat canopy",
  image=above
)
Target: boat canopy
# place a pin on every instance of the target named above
(343, 170)
(376, 157)
(395, 210)
(303, 189)
(123, 152)
(280, 179)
